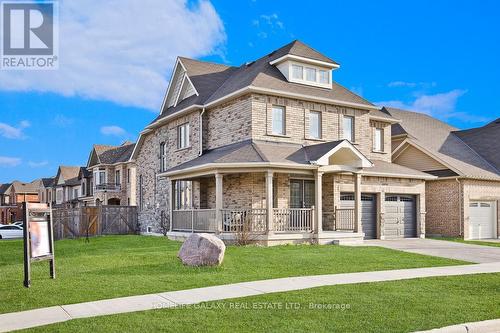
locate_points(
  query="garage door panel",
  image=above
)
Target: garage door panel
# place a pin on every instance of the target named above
(481, 220)
(400, 217)
(368, 212)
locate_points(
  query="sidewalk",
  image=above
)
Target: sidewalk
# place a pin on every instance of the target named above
(55, 314)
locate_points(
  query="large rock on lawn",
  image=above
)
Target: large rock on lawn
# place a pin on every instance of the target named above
(202, 250)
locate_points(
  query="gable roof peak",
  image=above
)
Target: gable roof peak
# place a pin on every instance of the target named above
(300, 49)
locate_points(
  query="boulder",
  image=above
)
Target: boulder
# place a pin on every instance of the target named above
(202, 250)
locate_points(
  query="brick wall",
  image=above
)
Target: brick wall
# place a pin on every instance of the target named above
(297, 124)
(443, 208)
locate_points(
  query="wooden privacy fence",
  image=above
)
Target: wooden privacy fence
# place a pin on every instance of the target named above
(93, 221)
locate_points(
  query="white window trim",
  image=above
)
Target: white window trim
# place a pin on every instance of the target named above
(283, 108)
(353, 128)
(187, 138)
(381, 141)
(320, 125)
(304, 80)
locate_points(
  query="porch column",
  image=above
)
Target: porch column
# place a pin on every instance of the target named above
(357, 202)
(269, 201)
(318, 195)
(218, 200)
(171, 202)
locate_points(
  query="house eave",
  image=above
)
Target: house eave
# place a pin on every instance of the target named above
(305, 60)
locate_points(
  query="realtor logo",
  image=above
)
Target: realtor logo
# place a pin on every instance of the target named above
(29, 35)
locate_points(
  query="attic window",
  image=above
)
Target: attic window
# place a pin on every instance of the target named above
(297, 72)
(306, 74)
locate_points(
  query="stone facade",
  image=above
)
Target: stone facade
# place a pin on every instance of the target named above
(248, 117)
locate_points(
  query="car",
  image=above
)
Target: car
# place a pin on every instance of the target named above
(10, 231)
(19, 223)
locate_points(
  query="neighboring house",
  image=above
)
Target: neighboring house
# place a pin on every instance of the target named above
(86, 187)
(113, 175)
(14, 195)
(464, 200)
(46, 193)
(67, 185)
(275, 147)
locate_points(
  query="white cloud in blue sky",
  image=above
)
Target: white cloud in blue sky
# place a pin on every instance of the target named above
(122, 51)
(38, 164)
(113, 131)
(13, 132)
(6, 161)
(440, 105)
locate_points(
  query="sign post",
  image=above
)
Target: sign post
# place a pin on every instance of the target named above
(38, 238)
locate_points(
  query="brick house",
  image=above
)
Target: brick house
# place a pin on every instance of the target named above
(277, 148)
(67, 185)
(464, 200)
(13, 196)
(46, 192)
(111, 176)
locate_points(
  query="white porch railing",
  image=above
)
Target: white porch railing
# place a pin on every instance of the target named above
(244, 220)
(194, 220)
(293, 219)
(344, 219)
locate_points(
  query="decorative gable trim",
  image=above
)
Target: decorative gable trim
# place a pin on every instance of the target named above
(324, 160)
(179, 70)
(304, 60)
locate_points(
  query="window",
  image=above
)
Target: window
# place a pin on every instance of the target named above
(324, 76)
(297, 72)
(128, 176)
(348, 127)
(183, 194)
(378, 140)
(301, 193)
(91, 189)
(75, 193)
(102, 177)
(83, 188)
(278, 120)
(315, 124)
(163, 157)
(311, 74)
(118, 179)
(183, 136)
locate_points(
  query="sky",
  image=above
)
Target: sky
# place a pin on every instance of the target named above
(437, 57)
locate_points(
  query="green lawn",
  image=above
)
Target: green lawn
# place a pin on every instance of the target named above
(397, 306)
(461, 240)
(117, 266)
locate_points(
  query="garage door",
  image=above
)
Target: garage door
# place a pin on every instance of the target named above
(368, 212)
(400, 216)
(482, 217)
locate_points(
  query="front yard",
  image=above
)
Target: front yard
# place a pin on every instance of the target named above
(396, 306)
(116, 266)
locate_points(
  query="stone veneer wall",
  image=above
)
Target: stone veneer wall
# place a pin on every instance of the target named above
(297, 124)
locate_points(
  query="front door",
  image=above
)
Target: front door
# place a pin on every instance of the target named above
(301, 193)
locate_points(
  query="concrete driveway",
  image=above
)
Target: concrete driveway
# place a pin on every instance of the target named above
(439, 248)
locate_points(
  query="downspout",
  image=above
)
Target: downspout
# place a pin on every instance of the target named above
(201, 132)
(459, 207)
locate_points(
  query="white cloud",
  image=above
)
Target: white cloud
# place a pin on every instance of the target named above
(63, 121)
(442, 105)
(11, 132)
(9, 161)
(38, 164)
(113, 130)
(121, 50)
(411, 84)
(268, 24)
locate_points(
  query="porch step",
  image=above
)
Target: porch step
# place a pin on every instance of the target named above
(341, 238)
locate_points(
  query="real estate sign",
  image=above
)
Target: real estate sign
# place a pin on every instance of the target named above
(38, 238)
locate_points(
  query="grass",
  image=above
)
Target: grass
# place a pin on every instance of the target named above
(116, 266)
(396, 306)
(475, 242)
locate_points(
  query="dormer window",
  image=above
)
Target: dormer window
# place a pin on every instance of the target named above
(324, 76)
(311, 74)
(297, 72)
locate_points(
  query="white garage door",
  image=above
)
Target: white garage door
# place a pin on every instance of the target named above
(482, 220)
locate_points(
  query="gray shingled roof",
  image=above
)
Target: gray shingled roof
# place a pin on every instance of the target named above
(68, 172)
(4, 187)
(215, 81)
(255, 151)
(48, 182)
(484, 140)
(440, 140)
(114, 154)
(20, 187)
